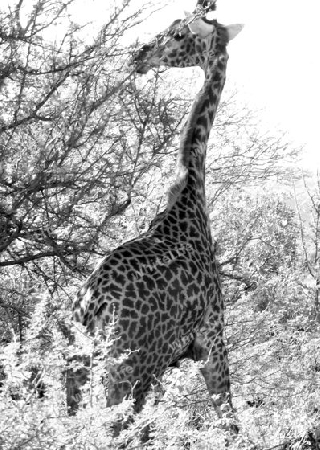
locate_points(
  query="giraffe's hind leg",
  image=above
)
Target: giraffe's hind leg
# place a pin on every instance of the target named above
(212, 351)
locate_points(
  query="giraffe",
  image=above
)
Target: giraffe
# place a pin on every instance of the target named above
(162, 290)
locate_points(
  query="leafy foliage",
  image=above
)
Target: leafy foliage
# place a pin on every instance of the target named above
(87, 152)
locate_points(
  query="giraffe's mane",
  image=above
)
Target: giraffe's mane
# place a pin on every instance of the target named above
(185, 149)
(175, 190)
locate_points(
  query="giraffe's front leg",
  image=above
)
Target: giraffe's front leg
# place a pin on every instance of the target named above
(210, 348)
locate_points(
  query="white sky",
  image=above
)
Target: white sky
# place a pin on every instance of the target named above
(274, 62)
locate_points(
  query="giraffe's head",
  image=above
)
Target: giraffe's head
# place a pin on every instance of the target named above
(190, 42)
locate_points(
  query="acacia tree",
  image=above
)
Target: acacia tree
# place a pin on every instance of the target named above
(76, 136)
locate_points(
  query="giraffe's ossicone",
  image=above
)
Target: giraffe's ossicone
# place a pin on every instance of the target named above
(162, 290)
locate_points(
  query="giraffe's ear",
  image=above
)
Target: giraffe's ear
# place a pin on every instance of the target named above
(201, 27)
(234, 30)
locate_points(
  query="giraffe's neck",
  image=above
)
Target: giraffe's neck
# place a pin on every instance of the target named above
(195, 135)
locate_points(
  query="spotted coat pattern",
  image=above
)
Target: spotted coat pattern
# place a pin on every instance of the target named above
(162, 291)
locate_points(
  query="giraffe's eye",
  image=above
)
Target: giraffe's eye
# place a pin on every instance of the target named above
(178, 36)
